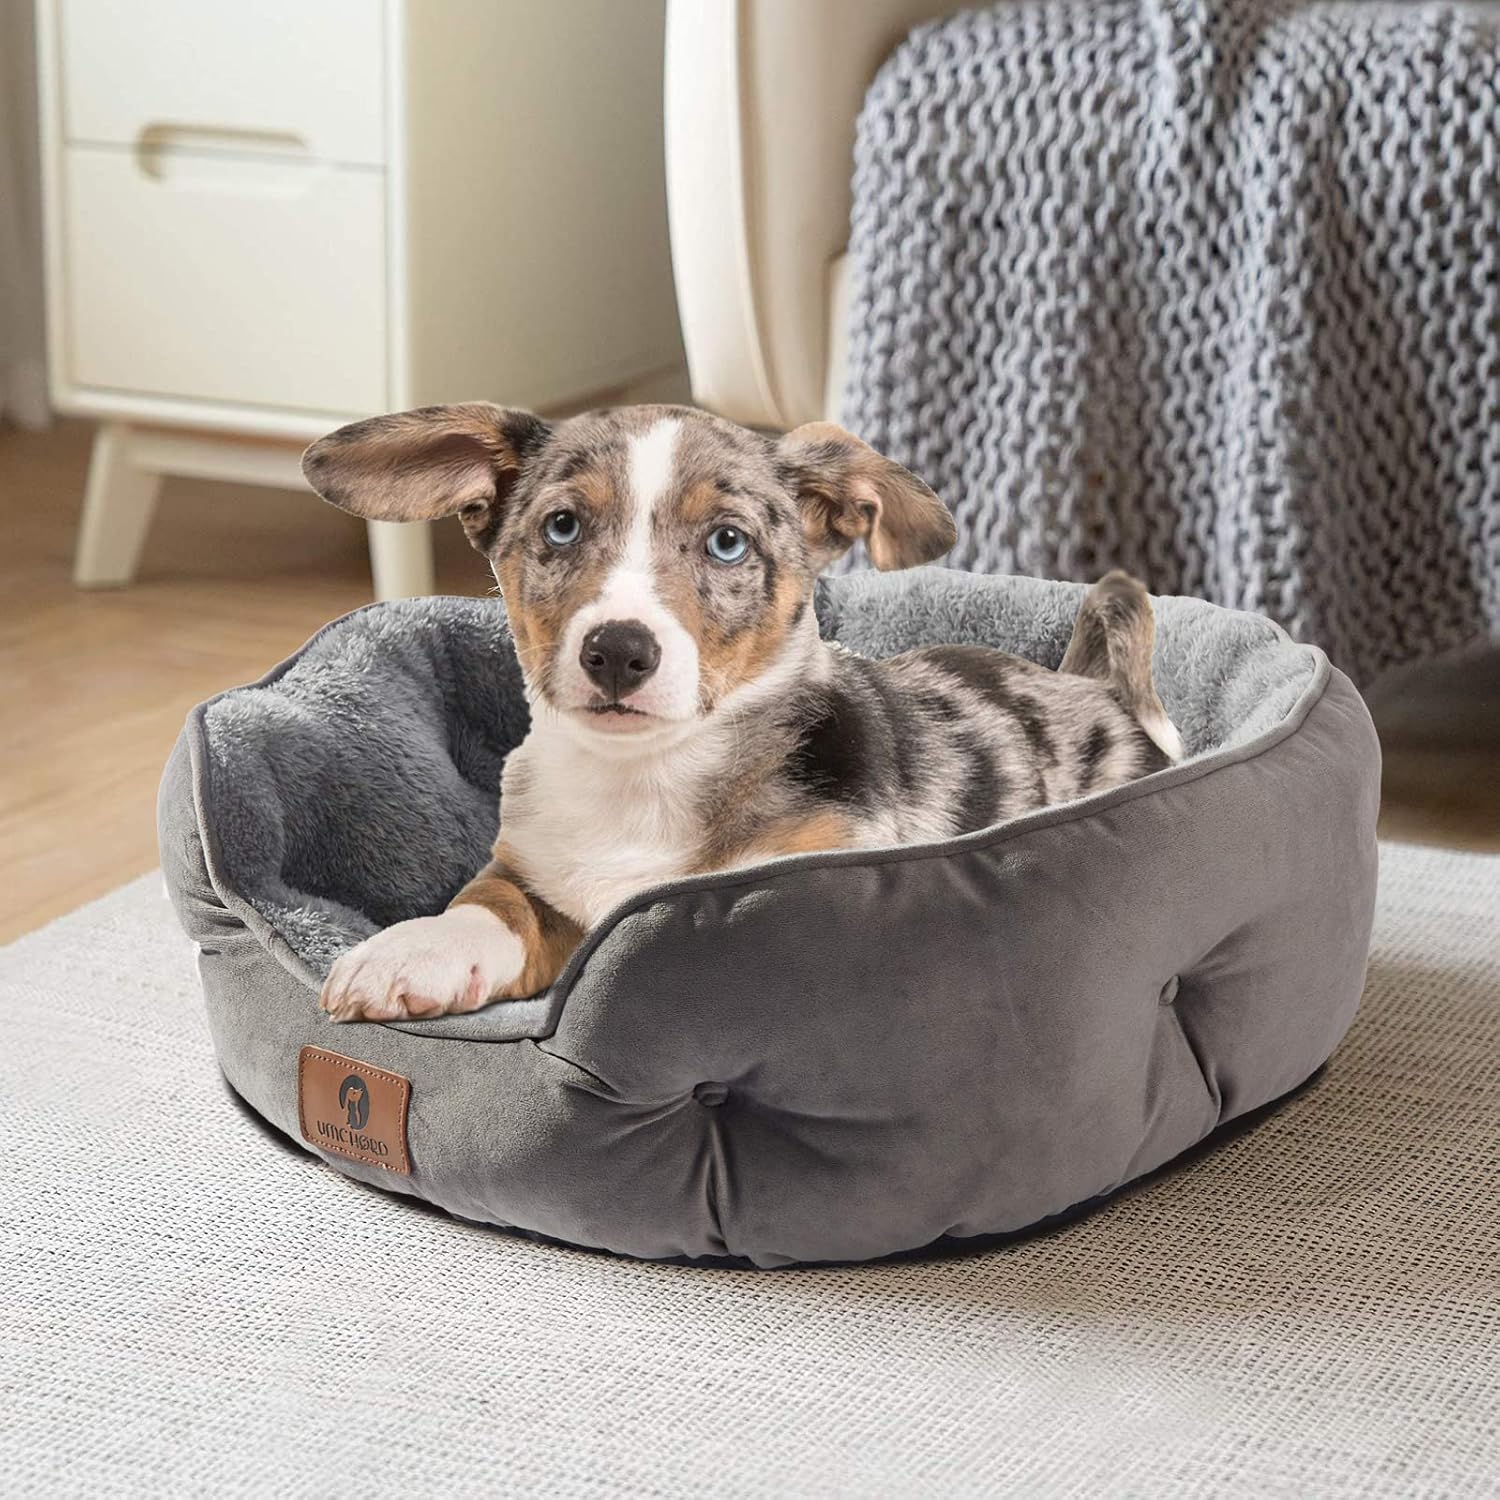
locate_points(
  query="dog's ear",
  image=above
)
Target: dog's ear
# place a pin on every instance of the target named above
(847, 490)
(435, 461)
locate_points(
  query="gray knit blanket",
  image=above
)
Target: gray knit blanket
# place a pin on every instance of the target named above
(1207, 289)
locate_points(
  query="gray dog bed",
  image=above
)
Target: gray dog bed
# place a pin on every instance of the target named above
(828, 1057)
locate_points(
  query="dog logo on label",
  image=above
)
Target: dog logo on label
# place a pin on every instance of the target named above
(354, 1100)
(353, 1109)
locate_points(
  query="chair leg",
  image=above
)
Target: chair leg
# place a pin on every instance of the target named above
(118, 501)
(401, 558)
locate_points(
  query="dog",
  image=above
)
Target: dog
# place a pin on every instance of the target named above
(657, 567)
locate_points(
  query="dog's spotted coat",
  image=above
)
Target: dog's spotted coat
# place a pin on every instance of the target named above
(657, 566)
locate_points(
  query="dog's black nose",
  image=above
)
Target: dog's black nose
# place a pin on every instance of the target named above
(619, 656)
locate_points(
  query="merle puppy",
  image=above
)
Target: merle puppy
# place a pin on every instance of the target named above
(657, 567)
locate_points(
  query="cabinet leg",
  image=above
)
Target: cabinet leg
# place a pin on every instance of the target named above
(117, 504)
(401, 558)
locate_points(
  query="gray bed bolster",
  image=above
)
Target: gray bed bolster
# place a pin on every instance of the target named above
(830, 1057)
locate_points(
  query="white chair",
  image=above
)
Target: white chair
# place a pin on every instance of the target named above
(762, 99)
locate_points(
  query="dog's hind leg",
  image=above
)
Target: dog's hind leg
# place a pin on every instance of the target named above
(1112, 640)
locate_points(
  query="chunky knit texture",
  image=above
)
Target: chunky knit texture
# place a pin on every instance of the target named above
(1208, 289)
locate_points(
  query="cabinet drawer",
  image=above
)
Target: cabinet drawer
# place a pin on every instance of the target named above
(302, 74)
(231, 279)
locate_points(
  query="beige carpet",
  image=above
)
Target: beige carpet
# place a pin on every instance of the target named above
(190, 1307)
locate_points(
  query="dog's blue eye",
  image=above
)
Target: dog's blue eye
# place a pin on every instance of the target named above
(562, 528)
(727, 544)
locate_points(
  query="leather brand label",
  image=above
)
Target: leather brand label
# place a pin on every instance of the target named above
(352, 1109)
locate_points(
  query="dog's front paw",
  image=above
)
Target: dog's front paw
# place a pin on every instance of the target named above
(429, 966)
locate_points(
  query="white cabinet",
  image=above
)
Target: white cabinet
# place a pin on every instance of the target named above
(264, 220)
(310, 72)
(228, 279)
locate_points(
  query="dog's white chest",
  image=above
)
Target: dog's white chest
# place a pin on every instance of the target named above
(589, 836)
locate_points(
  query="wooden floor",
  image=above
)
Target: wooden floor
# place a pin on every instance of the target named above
(96, 684)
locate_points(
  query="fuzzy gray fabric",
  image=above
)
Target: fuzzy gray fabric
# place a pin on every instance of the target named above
(1204, 289)
(361, 785)
(948, 1040)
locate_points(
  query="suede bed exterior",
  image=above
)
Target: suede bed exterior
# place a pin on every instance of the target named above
(829, 1057)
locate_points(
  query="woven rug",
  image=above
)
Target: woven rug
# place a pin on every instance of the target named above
(1206, 289)
(191, 1306)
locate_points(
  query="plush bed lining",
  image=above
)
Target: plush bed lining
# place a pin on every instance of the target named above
(365, 770)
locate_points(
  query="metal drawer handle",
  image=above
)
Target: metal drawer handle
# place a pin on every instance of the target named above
(168, 135)
(209, 156)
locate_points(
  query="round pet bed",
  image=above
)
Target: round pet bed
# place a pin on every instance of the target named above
(829, 1057)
